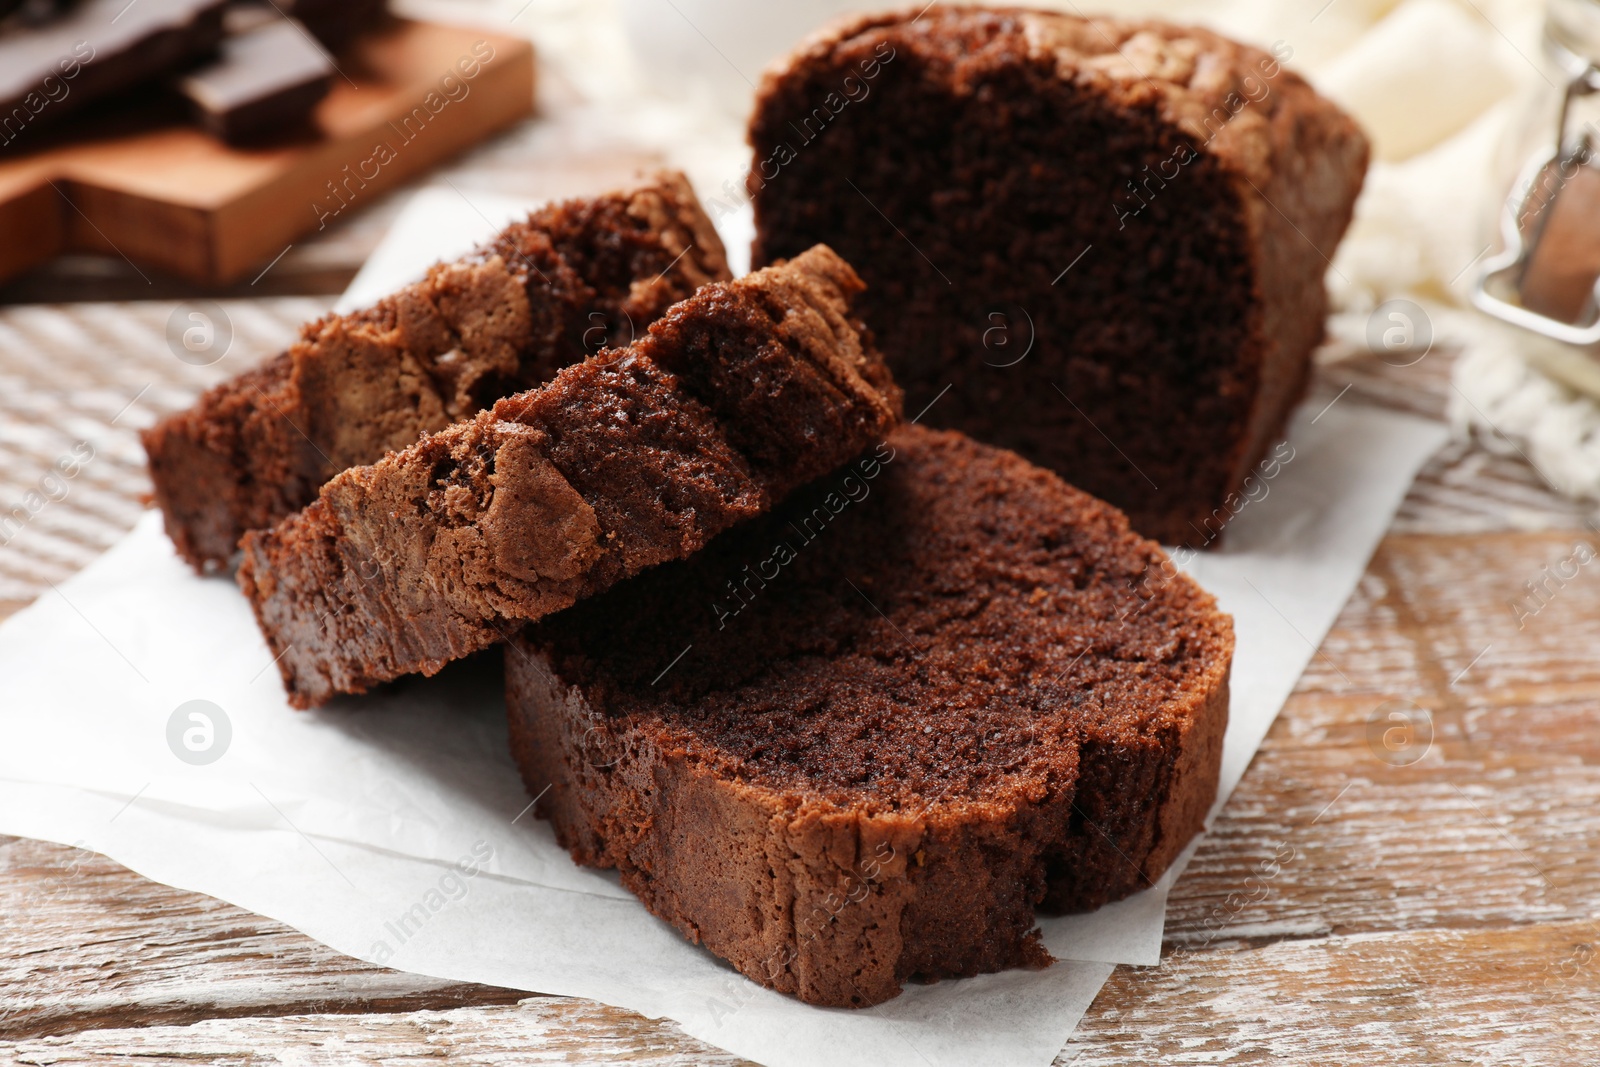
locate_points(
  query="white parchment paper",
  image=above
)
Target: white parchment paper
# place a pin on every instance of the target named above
(396, 829)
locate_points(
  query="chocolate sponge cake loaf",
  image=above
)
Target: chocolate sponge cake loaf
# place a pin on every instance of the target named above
(637, 456)
(543, 294)
(860, 740)
(1106, 238)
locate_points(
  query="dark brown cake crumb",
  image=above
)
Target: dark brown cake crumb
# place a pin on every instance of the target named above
(635, 457)
(1106, 239)
(575, 277)
(859, 740)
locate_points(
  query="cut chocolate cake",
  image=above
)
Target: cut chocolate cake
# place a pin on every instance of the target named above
(858, 741)
(635, 457)
(543, 294)
(1109, 237)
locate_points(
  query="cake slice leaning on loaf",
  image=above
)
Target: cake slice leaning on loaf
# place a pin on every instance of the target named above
(545, 293)
(635, 457)
(859, 740)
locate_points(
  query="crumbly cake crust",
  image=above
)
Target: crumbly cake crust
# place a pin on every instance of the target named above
(859, 740)
(637, 456)
(545, 293)
(1146, 210)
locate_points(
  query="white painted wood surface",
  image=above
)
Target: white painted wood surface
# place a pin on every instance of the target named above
(1438, 913)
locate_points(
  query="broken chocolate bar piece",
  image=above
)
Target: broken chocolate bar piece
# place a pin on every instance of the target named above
(333, 22)
(264, 80)
(96, 49)
(336, 22)
(31, 12)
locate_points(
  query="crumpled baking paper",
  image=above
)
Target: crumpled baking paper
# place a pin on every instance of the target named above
(141, 717)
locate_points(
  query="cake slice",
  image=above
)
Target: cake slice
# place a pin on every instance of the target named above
(545, 293)
(635, 457)
(860, 740)
(1105, 238)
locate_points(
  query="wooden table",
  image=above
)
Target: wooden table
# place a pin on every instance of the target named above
(1343, 910)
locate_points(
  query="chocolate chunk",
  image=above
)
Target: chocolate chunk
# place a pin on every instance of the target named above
(333, 22)
(31, 12)
(336, 22)
(264, 80)
(98, 48)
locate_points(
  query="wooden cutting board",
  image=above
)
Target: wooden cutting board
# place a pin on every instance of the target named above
(164, 195)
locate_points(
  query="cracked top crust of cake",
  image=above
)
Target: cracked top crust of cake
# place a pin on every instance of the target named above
(1191, 74)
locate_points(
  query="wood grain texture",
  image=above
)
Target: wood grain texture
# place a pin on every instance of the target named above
(557, 157)
(77, 952)
(1519, 996)
(1493, 823)
(1511, 997)
(1343, 909)
(93, 374)
(171, 197)
(538, 1030)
